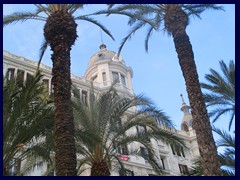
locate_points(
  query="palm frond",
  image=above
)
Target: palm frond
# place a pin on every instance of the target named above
(26, 117)
(21, 17)
(221, 91)
(98, 139)
(85, 18)
(42, 52)
(74, 7)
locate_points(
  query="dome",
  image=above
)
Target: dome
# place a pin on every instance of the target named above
(104, 54)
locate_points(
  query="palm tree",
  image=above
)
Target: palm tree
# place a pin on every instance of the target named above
(174, 19)
(100, 130)
(27, 117)
(221, 91)
(60, 33)
(227, 158)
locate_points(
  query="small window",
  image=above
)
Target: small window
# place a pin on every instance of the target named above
(10, 73)
(144, 152)
(163, 163)
(115, 76)
(178, 151)
(84, 97)
(101, 55)
(104, 77)
(183, 169)
(20, 75)
(173, 151)
(182, 151)
(29, 76)
(123, 79)
(126, 172)
(122, 149)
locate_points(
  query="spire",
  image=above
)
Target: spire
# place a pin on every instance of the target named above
(101, 36)
(183, 102)
(186, 124)
(185, 108)
(102, 46)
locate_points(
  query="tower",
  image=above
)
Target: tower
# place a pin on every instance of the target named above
(105, 67)
(186, 124)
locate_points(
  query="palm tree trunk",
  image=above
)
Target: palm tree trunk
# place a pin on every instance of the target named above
(60, 33)
(176, 21)
(201, 123)
(100, 169)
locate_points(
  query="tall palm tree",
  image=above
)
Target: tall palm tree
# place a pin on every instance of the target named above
(174, 19)
(227, 158)
(100, 130)
(27, 117)
(221, 91)
(60, 33)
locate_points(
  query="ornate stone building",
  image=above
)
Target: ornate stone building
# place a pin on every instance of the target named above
(104, 67)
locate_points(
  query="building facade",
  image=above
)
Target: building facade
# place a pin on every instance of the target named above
(103, 69)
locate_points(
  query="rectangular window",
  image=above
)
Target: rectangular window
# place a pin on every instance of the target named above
(29, 76)
(129, 172)
(178, 151)
(10, 73)
(126, 172)
(104, 76)
(183, 169)
(173, 150)
(123, 79)
(182, 151)
(84, 97)
(122, 149)
(20, 75)
(163, 164)
(115, 76)
(144, 152)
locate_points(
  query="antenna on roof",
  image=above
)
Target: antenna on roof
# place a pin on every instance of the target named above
(102, 46)
(101, 36)
(182, 99)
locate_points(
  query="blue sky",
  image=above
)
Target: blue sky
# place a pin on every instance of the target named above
(157, 73)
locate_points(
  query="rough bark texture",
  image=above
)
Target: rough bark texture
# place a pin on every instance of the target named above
(100, 169)
(176, 21)
(60, 33)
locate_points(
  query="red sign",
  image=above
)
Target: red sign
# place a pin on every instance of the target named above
(123, 157)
